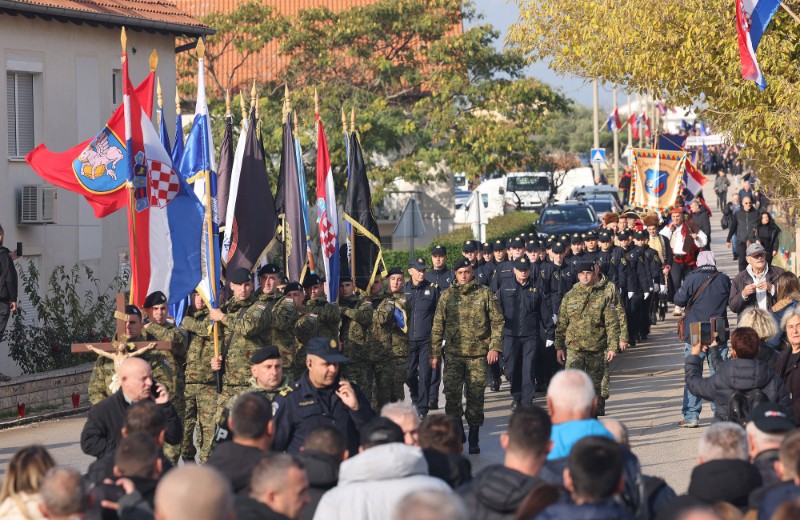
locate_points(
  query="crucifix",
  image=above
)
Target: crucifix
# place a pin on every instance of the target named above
(120, 349)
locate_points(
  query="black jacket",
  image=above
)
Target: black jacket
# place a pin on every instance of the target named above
(323, 474)
(787, 366)
(634, 271)
(250, 509)
(731, 376)
(103, 429)
(450, 467)
(712, 302)
(496, 492)
(701, 218)
(421, 300)
(441, 278)
(524, 309)
(743, 225)
(236, 463)
(735, 300)
(769, 236)
(103, 468)
(8, 276)
(557, 280)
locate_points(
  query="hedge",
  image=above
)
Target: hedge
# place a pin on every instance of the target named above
(502, 227)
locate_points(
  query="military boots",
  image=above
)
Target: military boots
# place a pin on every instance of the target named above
(474, 449)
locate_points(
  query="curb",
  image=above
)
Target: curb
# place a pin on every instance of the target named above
(4, 425)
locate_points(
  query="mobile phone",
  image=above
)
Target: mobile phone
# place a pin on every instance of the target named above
(706, 336)
(694, 333)
(19, 249)
(720, 331)
(154, 390)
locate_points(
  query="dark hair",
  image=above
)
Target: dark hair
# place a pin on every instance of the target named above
(762, 215)
(441, 433)
(144, 416)
(745, 343)
(136, 455)
(595, 466)
(380, 430)
(327, 439)
(250, 416)
(529, 430)
(537, 500)
(787, 285)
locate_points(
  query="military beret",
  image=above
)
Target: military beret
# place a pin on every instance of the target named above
(265, 353)
(499, 244)
(516, 242)
(133, 310)
(284, 279)
(590, 235)
(522, 263)
(462, 263)
(394, 271)
(487, 247)
(469, 246)
(641, 235)
(269, 269)
(311, 280)
(325, 348)
(292, 286)
(418, 264)
(154, 298)
(345, 278)
(239, 276)
(439, 250)
(580, 267)
(576, 238)
(559, 247)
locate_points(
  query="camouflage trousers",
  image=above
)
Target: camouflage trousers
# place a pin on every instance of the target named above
(459, 372)
(228, 391)
(594, 364)
(298, 364)
(198, 422)
(363, 375)
(390, 378)
(173, 451)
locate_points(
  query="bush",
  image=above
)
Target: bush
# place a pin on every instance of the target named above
(63, 317)
(502, 227)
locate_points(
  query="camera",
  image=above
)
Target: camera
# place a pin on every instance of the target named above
(705, 332)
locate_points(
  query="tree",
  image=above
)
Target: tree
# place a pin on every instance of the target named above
(687, 53)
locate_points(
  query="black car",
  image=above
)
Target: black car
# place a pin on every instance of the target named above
(567, 218)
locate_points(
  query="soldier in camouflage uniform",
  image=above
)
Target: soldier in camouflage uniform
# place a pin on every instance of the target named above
(268, 380)
(390, 350)
(612, 290)
(587, 332)
(284, 318)
(201, 393)
(104, 371)
(469, 321)
(356, 312)
(245, 320)
(327, 315)
(269, 277)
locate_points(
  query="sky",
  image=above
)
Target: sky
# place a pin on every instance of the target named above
(502, 14)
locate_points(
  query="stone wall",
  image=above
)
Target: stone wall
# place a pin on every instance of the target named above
(47, 389)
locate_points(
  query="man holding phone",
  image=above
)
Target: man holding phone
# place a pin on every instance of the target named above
(755, 285)
(8, 285)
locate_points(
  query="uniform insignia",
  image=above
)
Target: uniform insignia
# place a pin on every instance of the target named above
(275, 406)
(166, 362)
(260, 306)
(286, 391)
(307, 403)
(427, 292)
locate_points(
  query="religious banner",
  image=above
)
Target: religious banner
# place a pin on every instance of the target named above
(657, 178)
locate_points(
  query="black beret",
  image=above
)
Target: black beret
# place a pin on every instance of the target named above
(418, 264)
(154, 298)
(345, 278)
(265, 353)
(522, 263)
(240, 276)
(292, 286)
(559, 247)
(469, 246)
(394, 270)
(311, 280)
(462, 263)
(284, 279)
(439, 250)
(133, 310)
(516, 242)
(584, 266)
(269, 269)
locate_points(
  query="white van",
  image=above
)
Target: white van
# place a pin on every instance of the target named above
(527, 191)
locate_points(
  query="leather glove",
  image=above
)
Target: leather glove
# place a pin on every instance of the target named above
(549, 343)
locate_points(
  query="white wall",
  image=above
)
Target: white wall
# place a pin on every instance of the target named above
(73, 100)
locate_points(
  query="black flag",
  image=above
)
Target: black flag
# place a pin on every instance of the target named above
(254, 216)
(224, 171)
(294, 235)
(366, 258)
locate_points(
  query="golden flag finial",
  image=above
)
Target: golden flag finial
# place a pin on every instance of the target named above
(344, 121)
(201, 48)
(243, 105)
(253, 96)
(123, 39)
(153, 61)
(353, 119)
(227, 103)
(177, 102)
(287, 106)
(158, 93)
(316, 101)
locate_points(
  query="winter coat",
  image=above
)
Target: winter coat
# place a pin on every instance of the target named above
(323, 474)
(743, 225)
(8, 276)
(731, 376)
(235, 462)
(250, 509)
(450, 467)
(787, 366)
(12, 507)
(496, 492)
(769, 236)
(604, 511)
(374, 481)
(712, 302)
(703, 220)
(735, 300)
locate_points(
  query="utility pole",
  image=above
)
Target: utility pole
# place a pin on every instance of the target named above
(630, 131)
(595, 97)
(616, 140)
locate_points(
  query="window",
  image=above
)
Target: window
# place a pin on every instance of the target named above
(116, 88)
(19, 107)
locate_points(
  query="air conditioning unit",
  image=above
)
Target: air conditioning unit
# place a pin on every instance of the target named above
(37, 205)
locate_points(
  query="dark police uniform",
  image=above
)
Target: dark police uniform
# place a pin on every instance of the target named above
(441, 279)
(421, 304)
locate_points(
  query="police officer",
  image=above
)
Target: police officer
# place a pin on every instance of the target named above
(485, 270)
(499, 251)
(637, 285)
(557, 278)
(505, 270)
(576, 249)
(319, 397)
(590, 250)
(421, 298)
(469, 250)
(470, 319)
(525, 310)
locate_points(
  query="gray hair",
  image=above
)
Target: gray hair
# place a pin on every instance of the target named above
(761, 438)
(760, 321)
(790, 312)
(63, 492)
(617, 429)
(572, 390)
(430, 505)
(399, 409)
(723, 440)
(270, 473)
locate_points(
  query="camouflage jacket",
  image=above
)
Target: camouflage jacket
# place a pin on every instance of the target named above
(104, 371)
(270, 299)
(284, 318)
(201, 347)
(172, 333)
(327, 316)
(469, 320)
(388, 323)
(356, 323)
(589, 318)
(244, 324)
(623, 318)
(223, 433)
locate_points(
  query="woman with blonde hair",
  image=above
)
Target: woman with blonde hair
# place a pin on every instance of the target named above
(766, 327)
(19, 497)
(787, 296)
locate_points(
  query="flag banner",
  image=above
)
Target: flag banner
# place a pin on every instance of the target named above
(301, 175)
(613, 122)
(752, 19)
(225, 170)
(366, 257)
(694, 180)
(95, 168)
(251, 217)
(327, 215)
(671, 141)
(177, 150)
(657, 178)
(294, 236)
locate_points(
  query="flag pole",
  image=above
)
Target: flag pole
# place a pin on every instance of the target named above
(129, 159)
(287, 108)
(352, 228)
(791, 13)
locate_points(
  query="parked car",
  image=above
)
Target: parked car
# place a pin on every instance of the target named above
(595, 190)
(603, 204)
(566, 218)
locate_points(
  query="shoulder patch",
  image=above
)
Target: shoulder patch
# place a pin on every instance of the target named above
(286, 391)
(261, 306)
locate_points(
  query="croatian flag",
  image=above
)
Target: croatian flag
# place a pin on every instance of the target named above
(327, 215)
(752, 19)
(693, 178)
(613, 122)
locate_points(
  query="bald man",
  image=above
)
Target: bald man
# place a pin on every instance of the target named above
(103, 429)
(194, 492)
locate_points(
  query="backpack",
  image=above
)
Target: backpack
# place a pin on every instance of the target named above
(725, 221)
(740, 404)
